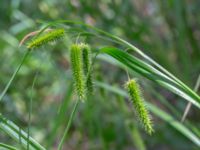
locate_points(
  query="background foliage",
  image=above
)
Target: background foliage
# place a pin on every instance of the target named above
(166, 30)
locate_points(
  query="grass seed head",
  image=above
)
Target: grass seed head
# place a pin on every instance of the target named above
(77, 69)
(135, 95)
(86, 54)
(51, 36)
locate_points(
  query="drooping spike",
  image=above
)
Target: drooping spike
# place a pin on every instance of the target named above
(46, 38)
(135, 96)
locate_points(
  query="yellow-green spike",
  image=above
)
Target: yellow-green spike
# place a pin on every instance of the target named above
(135, 95)
(77, 69)
(86, 54)
(46, 38)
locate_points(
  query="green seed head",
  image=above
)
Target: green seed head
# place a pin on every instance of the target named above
(77, 69)
(86, 54)
(46, 38)
(135, 95)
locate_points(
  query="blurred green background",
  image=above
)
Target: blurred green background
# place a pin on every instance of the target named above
(166, 30)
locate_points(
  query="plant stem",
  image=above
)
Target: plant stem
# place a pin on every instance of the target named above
(14, 74)
(30, 109)
(189, 104)
(8, 147)
(68, 125)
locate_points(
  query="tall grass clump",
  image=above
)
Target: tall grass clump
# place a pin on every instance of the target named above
(81, 64)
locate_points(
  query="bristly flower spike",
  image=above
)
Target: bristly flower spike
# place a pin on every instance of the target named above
(77, 70)
(46, 38)
(86, 54)
(135, 95)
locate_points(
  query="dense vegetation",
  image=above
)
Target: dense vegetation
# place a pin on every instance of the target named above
(108, 74)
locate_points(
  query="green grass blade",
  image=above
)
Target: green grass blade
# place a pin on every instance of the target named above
(175, 124)
(5, 146)
(30, 108)
(18, 135)
(159, 113)
(61, 116)
(147, 71)
(14, 74)
(160, 97)
(116, 39)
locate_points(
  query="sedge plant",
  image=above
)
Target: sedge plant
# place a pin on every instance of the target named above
(80, 58)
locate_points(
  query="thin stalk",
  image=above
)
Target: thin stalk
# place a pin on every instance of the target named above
(189, 104)
(14, 74)
(68, 125)
(30, 108)
(18, 68)
(8, 147)
(13, 131)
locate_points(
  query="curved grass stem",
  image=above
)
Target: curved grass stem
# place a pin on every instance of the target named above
(8, 147)
(14, 74)
(30, 109)
(189, 104)
(68, 125)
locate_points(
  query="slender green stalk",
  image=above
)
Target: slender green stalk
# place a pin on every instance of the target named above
(68, 125)
(14, 74)
(187, 108)
(135, 135)
(17, 134)
(8, 147)
(60, 118)
(18, 68)
(30, 109)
